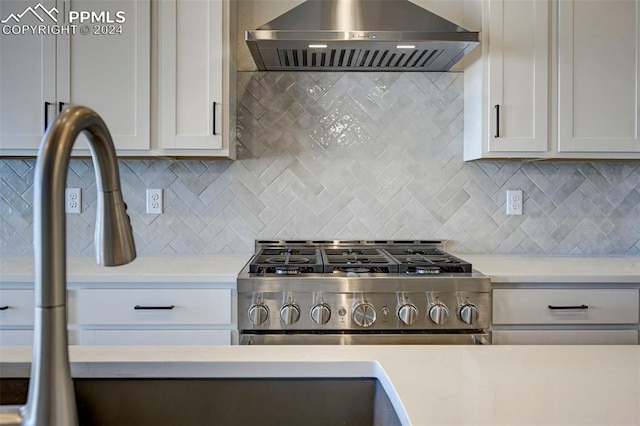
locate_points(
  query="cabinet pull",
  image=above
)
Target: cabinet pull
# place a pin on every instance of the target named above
(46, 115)
(569, 307)
(60, 107)
(4, 308)
(214, 118)
(497, 121)
(149, 308)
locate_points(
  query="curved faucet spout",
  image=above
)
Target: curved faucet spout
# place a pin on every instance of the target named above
(51, 399)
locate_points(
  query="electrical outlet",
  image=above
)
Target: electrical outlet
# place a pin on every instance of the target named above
(154, 201)
(514, 202)
(73, 200)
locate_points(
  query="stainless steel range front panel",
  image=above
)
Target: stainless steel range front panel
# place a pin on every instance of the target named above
(341, 310)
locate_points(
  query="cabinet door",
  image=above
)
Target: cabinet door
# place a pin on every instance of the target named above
(190, 57)
(518, 76)
(564, 337)
(16, 308)
(599, 68)
(108, 69)
(154, 337)
(27, 77)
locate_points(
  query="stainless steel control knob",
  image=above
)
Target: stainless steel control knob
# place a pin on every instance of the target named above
(408, 313)
(469, 313)
(364, 314)
(438, 313)
(290, 313)
(258, 314)
(320, 313)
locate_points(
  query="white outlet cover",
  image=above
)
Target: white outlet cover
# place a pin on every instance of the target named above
(154, 201)
(73, 200)
(514, 202)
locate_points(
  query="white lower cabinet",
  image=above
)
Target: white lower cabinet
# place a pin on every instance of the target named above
(16, 316)
(154, 316)
(154, 337)
(129, 314)
(565, 337)
(16, 337)
(589, 316)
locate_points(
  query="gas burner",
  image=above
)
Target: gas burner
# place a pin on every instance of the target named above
(296, 260)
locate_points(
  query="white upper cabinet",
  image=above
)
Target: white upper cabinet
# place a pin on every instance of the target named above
(522, 102)
(102, 63)
(196, 78)
(109, 70)
(599, 68)
(513, 75)
(27, 80)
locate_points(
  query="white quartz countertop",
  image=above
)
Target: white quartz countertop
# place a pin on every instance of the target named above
(215, 268)
(434, 385)
(224, 268)
(556, 269)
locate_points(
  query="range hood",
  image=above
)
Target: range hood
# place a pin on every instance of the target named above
(359, 35)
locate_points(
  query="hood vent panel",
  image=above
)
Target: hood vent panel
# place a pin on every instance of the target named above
(359, 35)
(365, 59)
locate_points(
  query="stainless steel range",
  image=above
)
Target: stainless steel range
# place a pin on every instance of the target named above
(361, 292)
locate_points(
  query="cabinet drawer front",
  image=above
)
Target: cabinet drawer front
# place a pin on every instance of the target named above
(565, 337)
(154, 306)
(532, 306)
(154, 337)
(17, 307)
(16, 337)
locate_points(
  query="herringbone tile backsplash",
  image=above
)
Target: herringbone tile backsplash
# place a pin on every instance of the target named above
(345, 156)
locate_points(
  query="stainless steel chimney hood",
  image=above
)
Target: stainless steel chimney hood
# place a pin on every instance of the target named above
(359, 35)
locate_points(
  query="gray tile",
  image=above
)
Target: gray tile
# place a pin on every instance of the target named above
(350, 155)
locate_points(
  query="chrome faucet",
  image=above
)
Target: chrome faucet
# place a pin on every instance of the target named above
(51, 398)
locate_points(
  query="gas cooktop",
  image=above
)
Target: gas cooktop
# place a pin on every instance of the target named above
(284, 257)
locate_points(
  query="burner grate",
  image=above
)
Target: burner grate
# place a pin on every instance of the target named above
(427, 261)
(358, 260)
(286, 261)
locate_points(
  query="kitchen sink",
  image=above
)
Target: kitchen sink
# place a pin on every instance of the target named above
(227, 401)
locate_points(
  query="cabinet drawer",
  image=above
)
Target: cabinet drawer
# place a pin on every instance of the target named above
(17, 307)
(554, 306)
(16, 337)
(154, 337)
(154, 306)
(565, 337)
